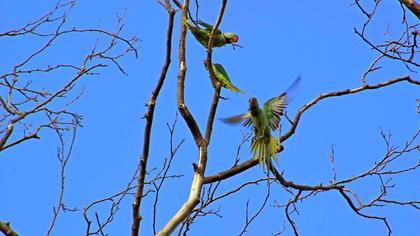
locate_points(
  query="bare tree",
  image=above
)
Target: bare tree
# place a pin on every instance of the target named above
(30, 106)
(403, 49)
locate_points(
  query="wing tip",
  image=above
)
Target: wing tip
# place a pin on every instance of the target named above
(227, 120)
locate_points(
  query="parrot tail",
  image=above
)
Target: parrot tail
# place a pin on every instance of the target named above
(233, 88)
(185, 21)
(193, 29)
(265, 148)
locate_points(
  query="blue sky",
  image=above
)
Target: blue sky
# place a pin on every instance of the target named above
(280, 40)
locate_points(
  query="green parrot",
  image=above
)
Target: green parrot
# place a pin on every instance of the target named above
(263, 145)
(223, 77)
(203, 35)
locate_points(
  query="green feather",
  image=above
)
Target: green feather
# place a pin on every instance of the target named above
(223, 78)
(264, 146)
(208, 27)
(203, 35)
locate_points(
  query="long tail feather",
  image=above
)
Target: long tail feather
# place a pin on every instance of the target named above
(276, 174)
(265, 149)
(233, 88)
(193, 29)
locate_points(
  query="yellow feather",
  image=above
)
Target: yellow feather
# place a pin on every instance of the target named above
(265, 148)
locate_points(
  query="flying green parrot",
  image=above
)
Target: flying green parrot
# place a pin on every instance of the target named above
(263, 145)
(203, 35)
(223, 77)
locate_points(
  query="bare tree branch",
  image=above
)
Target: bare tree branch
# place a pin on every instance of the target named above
(287, 212)
(30, 106)
(22, 99)
(6, 229)
(163, 174)
(253, 162)
(115, 201)
(402, 48)
(149, 121)
(202, 145)
(341, 93)
(63, 156)
(356, 210)
(248, 220)
(412, 6)
(182, 107)
(377, 170)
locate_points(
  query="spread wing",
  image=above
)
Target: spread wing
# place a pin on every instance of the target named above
(274, 108)
(245, 118)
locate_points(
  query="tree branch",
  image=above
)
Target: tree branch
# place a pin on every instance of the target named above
(341, 93)
(182, 107)
(357, 211)
(202, 145)
(217, 85)
(412, 6)
(148, 126)
(253, 162)
(6, 230)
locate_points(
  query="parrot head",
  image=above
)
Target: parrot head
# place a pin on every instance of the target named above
(231, 37)
(253, 103)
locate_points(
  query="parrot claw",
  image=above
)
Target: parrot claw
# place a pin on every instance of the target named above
(223, 98)
(280, 149)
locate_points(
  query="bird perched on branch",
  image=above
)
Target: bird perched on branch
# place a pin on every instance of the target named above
(203, 35)
(263, 145)
(223, 77)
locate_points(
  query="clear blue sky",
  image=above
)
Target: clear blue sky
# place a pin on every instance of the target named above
(280, 39)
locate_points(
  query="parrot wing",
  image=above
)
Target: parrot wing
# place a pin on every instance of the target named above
(197, 32)
(223, 77)
(246, 118)
(220, 72)
(187, 23)
(208, 27)
(274, 108)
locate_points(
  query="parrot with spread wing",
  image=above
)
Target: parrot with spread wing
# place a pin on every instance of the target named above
(263, 145)
(223, 77)
(203, 35)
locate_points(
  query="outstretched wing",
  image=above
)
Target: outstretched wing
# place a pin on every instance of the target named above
(245, 118)
(274, 108)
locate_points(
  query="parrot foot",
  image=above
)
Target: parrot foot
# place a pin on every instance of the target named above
(223, 98)
(280, 148)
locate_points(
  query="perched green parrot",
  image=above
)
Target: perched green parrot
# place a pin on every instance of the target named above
(223, 77)
(263, 145)
(203, 35)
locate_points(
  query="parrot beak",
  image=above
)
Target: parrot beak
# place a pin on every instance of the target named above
(231, 37)
(234, 39)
